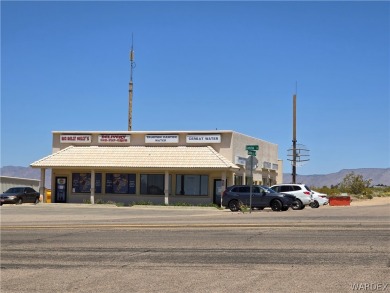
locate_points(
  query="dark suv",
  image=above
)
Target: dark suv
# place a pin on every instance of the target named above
(262, 197)
(19, 195)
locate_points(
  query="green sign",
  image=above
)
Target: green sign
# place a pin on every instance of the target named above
(252, 153)
(252, 148)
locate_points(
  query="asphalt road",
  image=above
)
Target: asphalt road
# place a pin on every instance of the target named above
(77, 248)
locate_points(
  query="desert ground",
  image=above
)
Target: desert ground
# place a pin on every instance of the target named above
(370, 202)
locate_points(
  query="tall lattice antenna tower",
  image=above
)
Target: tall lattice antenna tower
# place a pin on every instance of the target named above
(132, 65)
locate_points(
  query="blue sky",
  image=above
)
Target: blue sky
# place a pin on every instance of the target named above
(200, 66)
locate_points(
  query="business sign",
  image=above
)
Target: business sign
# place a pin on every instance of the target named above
(208, 138)
(161, 138)
(267, 165)
(114, 138)
(240, 160)
(70, 138)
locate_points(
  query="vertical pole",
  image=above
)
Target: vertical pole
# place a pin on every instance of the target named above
(166, 188)
(251, 186)
(223, 187)
(131, 86)
(42, 186)
(294, 159)
(130, 105)
(93, 187)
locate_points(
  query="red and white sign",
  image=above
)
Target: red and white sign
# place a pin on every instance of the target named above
(114, 138)
(70, 138)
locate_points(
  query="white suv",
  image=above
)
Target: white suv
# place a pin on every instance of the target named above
(301, 191)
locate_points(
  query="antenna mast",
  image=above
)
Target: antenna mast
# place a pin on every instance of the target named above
(294, 140)
(299, 153)
(132, 65)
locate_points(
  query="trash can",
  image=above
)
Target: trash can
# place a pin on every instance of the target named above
(48, 196)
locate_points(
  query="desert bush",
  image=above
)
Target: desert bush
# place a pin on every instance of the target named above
(354, 184)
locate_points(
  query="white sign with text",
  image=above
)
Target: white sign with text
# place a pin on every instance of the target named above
(207, 138)
(161, 138)
(114, 138)
(70, 138)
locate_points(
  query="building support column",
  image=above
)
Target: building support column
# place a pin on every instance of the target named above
(223, 185)
(93, 187)
(230, 179)
(42, 185)
(166, 188)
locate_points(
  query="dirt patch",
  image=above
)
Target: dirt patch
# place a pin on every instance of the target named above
(370, 202)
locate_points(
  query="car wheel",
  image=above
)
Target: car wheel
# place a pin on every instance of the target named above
(297, 205)
(36, 201)
(284, 209)
(276, 205)
(234, 205)
(20, 201)
(315, 205)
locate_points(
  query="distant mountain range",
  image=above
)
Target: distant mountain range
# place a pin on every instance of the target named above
(26, 172)
(378, 176)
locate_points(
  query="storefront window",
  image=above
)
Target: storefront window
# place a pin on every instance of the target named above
(120, 183)
(152, 184)
(192, 184)
(81, 182)
(237, 180)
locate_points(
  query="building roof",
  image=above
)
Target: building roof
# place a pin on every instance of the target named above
(145, 132)
(136, 157)
(18, 178)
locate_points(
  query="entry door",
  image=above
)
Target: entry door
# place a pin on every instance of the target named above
(61, 189)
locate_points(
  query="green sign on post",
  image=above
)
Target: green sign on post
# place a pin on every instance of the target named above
(252, 153)
(252, 148)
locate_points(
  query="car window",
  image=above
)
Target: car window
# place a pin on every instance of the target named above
(296, 187)
(266, 189)
(285, 188)
(256, 189)
(30, 190)
(15, 190)
(307, 188)
(244, 189)
(234, 189)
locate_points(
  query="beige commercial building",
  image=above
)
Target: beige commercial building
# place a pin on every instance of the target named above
(160, 167)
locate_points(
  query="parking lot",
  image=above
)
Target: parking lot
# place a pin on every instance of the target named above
(79, 248)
